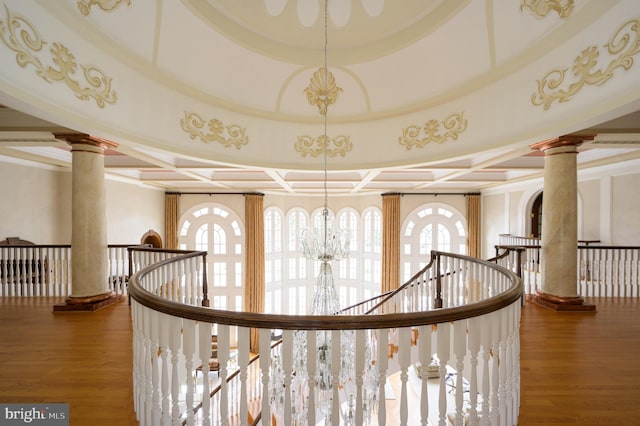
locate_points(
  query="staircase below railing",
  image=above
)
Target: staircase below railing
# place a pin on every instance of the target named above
(458, 363)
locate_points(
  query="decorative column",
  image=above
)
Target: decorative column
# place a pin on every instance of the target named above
(89, 256)
(560, 225)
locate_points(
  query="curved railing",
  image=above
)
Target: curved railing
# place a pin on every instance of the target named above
(459, 362)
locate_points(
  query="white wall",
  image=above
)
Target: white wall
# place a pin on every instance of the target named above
(608, 208)
(35, 205)
(625, 219)
(132, 211)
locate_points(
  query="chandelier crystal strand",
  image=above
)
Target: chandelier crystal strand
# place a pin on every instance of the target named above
(325, 243)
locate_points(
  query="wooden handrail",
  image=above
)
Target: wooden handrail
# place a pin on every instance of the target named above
(187, 253)
(411, 281)
(323, 322)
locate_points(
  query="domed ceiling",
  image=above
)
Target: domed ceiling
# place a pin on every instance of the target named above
(223, 94)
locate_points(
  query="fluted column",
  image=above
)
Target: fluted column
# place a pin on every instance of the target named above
(89, 272)
(560, 225)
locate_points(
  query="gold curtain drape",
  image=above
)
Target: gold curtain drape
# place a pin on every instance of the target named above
(254, 287)
(390, 242)
(171, 221)
(473, 223)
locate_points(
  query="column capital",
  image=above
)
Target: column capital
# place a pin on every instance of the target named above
(571, 140)
(85, 139)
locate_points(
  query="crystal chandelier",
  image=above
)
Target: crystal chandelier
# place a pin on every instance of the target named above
(327, 244)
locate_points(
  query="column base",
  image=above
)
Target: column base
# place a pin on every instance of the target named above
(559, 303)
(89, 303)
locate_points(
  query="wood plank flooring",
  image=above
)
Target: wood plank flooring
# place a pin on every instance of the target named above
(581, 368)
(80, 358)
(576, 368)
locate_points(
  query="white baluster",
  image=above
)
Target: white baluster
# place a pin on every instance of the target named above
(311, 374)
(175, 343)
(382, 363)
(513, 382)
(164, 336)
(188, 349)
(495, 368)
(223, 358)
(359, 370)
(148, 358)
(154, 356)
(265, 358)
(204, 349)
(135, 324)
(287, 366)
(486, 338)
(424, 351)
(502, 361)
(336, 358)
(243, 361)
(404, 358)
(474, 325)
(443, 346)
(460, 350)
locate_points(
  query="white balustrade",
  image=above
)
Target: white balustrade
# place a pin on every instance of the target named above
(476, 358)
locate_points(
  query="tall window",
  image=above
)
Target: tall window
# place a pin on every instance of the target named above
(434, 226)
(357, 278)
(371, 251)
(274, 257)
(216, 229)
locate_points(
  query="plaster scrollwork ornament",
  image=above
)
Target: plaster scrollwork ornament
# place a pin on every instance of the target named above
(416, 136)
(106, 5)
(340, 145)
(542, 8)
(231, 135)
(322, 90)
(621, 48)
(21, 37)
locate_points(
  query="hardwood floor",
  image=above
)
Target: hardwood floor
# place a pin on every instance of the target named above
(581, 368)
(80, 358)
(576, 368)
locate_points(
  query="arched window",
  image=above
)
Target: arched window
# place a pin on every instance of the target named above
(356, 278)
(274, 257)
(371, 252)
(433, 226)
(216, 229)
(349, 269)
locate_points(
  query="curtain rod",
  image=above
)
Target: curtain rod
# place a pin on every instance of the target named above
(431, 193)
(213, 193)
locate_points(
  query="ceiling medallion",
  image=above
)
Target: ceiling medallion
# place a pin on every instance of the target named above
(322, 90)
(306, 145)
(622, 46)
(453, 125)
(541, 8)
(192, 123)
(106, 5)
(21, 37)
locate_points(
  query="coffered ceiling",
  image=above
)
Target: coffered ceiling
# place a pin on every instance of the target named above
(31, 141)
(466, 74)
